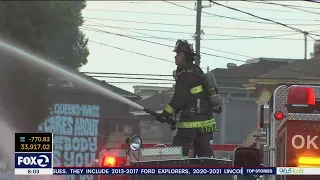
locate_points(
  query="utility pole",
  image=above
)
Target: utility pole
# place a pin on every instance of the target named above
(305, 34)
(198, 31)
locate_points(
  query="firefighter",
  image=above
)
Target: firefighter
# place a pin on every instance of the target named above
(191, 98)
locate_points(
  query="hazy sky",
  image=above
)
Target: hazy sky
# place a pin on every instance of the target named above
(108, 16)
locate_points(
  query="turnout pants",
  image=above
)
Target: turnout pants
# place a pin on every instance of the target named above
(200, 141)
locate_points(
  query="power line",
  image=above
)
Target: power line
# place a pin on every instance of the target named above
(218, 77)
(185, 15)
(130, 74)
(311, 1)
(275, 10)
(218, 81)
(233, 59)
(119, 82)
(307, 7)
(230, 82)
(275, 22)
(228, 52)
(141, 54)
(169, 24)
(262, 9)
(136, 78)
(233, 18)
(181, 32)
(126, 36)
(287, 6)
(124, 30)
(211, 39)
(202, 47)
(164, 45)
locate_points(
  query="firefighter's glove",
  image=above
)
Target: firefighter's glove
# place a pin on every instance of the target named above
(173, 127)
(161, 118)
(217, 110)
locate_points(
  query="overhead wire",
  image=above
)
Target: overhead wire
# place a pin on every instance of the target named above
(124, 75)
(307, 7)
(250, 14)
(287, 6)
(144, 22)
(220, 81)
(233, 18)
(132, 74)
(312, 1)
(152, 42)
(202, 53)
(136, 78)
(183, 15)
(275, 37)
(186, 25)
(182, 32)
(273, 10)
(190, 33)
(103, 74)
(154, 79)
(135, 83)
(137, 53)
(227, 52)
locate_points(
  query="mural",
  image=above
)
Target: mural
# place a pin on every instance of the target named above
(75, 129)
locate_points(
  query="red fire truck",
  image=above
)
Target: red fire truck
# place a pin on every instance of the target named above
(152, 152)
(118, 157)
(293, 130)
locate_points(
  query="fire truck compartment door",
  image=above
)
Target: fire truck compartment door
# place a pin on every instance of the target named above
(160, 153)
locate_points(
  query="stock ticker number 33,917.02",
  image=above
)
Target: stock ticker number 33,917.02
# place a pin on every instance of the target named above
(35, 147)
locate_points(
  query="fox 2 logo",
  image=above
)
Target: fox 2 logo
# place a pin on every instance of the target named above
(33, 160)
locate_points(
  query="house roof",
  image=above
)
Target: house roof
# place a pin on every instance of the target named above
(246, 71)
(233, 78)
(158, 101)
(64, 84)
(295, 70)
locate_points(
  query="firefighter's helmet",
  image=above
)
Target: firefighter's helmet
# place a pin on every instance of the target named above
(183, 46)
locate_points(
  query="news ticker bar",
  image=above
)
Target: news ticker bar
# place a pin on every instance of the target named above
(168, 171)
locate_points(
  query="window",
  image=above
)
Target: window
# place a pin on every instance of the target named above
(127, 129)
(264, 115)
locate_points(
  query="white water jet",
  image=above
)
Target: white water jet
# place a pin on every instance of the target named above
(52, 68)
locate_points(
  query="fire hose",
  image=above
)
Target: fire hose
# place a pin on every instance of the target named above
(169, 121)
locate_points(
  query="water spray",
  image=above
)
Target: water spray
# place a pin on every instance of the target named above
(51, 67)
